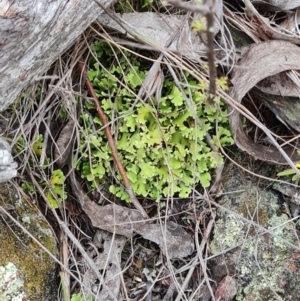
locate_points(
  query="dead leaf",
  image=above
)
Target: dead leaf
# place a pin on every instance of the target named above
(109, 259)
(271, 30)
(286, 109)
(291, 22)
(281, 4)
(279, 84)
(260, 61)
(156, 30)
(226, 289)
(64, 144)
(171, 238)
(113, 218)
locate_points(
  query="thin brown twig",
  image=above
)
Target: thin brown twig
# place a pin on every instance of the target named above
(111, 142)
(208, 11)
(210, 55)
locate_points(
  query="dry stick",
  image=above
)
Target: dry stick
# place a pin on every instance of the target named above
(210, 55)
(207, 10)
(71, 236)
(200, 249)
(111, 142)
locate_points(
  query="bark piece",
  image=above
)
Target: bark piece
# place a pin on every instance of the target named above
(258, 62)
(33, 34)
(280, 4)
(269, 29)
(280, 84)
(286, 109)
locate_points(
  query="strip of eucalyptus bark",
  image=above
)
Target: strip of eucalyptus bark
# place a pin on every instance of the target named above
(111, 142)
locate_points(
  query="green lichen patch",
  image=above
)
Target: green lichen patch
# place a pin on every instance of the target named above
(35, 266)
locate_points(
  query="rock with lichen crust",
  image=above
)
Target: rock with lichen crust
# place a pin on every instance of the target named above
(27, 272)
(266, 264)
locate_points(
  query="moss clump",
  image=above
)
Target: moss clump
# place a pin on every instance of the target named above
(34, 265)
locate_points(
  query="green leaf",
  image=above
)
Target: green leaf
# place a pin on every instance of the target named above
(123, 142)
(133, 178)
(92, 74)
(286, 172)
(176, 96)
(205, 179)
(51, 200)
(58, 178)
(184, 191)
(163, 173)
(153, 137)
(56, 194)
(102, 154)
(134, 168)
(135, 78)
(182, 118)
(176, 164)
(140, 154)
(145, 113)
(130, 122)
(141, 188)
(62, 195)
(95, 141)
(38, 145)
(106, 105)
(98, 170)
(90, 177)
(119, 192)
(164, 105)
(29, 187)
(80, 297)
(295, 177)
(147, 169)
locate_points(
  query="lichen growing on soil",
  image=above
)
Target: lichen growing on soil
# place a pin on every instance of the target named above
(264, 262)
(35, 267)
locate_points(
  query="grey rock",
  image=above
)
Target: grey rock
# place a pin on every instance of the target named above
(255, 241)
(27, 272)
(8, 168)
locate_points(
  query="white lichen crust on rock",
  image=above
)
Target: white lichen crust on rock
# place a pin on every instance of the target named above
(11, 283)
(8, 168)
(265, 260)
